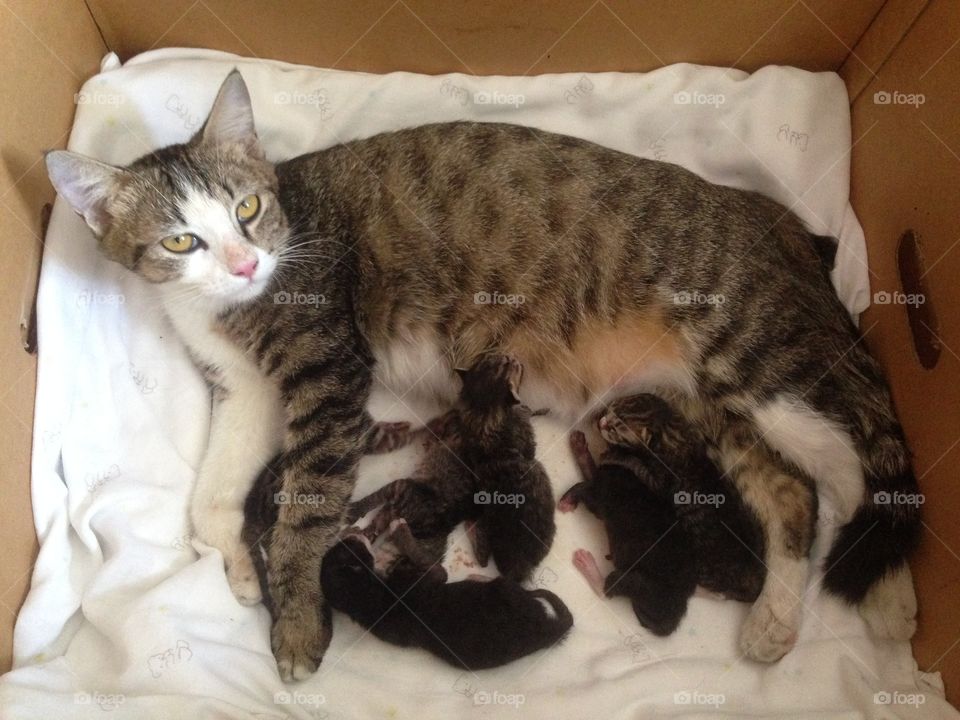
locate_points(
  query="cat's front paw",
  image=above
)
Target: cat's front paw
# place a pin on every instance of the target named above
(299, 642)
(244, 583)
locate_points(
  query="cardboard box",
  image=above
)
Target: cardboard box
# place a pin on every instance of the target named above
(906, 164)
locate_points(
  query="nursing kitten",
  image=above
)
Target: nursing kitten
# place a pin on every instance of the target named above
(725, 534)
(405, 600)
(402, 246)
(481, 467)
(653, 558)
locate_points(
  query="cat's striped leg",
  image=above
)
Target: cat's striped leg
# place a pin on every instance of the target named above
(786, 506)
(326, 435)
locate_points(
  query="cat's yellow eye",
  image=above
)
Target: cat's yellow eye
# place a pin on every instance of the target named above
(185, 242)
(248, 208)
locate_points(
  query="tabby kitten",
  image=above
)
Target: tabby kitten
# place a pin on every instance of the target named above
(411, 239)
(479, 466)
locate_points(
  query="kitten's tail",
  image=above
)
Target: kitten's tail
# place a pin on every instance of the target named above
(563, 618)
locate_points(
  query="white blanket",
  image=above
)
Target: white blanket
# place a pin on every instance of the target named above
(128, 616)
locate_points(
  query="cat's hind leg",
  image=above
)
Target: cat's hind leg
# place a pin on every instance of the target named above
(786, 506)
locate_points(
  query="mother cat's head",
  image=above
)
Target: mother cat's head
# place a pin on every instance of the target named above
(202, 217)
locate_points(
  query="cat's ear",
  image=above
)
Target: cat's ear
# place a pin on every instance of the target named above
(86, 184)
(231, 118)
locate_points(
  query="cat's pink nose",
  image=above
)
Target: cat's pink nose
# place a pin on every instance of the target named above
(245, 268)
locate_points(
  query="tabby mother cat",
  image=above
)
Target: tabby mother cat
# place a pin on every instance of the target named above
(409, 240)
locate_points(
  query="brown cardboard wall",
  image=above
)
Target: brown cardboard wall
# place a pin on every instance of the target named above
(46, 50)
(499, 36)
(906, 171)
(906, 165)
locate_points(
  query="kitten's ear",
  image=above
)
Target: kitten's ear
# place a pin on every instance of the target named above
(86, 184)
(231, 118)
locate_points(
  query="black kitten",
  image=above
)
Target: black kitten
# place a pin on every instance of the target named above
(653, 560)
(727, 537)
(405, 600)
(479, 465)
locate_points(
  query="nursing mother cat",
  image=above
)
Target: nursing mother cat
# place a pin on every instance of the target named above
(404, 235)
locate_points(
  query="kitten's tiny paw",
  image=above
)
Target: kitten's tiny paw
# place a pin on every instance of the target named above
(244, 583)
(766, 637)
(389, 436)
(583, 559)
(567, 503)
(578, 441)
(298, 646)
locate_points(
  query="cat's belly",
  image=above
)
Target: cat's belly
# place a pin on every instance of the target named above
(634, 354)
(604, 361)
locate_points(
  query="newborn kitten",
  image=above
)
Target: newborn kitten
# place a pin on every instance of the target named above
(653, 560)
(479, 465)
(727, 537)
(473, 624)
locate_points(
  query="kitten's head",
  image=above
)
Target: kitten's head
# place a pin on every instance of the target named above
(491, 384)
(202, 218)
(644, 421)
(346, 568)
